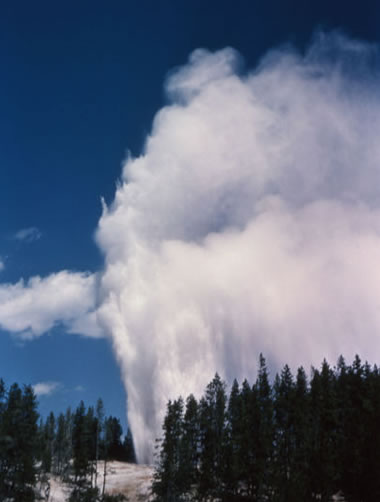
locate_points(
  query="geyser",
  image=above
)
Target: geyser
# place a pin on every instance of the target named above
(251, 222)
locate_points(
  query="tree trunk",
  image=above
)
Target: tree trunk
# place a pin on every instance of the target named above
(104, 476)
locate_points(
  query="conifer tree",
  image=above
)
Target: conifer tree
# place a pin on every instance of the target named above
(233, 465)
(283, 468)
(81, 452)
(47, 438)
(62, 444)
(264, 432)
(166, 485)
(302, 421)
(20, 431)
(212, 438)
(189, 455)
(99, 433)
(129, 454)
(324, 428)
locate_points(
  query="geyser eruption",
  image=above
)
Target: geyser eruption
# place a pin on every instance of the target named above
(250, 223)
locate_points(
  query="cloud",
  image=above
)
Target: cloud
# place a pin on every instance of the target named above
(2, 266)
(29, 234)
(250, 223)
(32, 308)
(46, 388)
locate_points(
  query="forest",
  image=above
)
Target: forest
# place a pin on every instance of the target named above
(68, 446)
(287, 439)
(291, 438)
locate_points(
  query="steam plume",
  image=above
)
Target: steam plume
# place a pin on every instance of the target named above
(250, 223)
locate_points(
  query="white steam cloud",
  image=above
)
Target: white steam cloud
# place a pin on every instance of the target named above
(33, 308)
(250, 223)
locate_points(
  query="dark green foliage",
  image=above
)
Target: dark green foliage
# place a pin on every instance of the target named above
(189, 445)
(113, 433)
(234, 434)
(290, 441)
(114, 498)
(168, 481)
(129, 454)
(301, 480)
(212, 413)
(81, 443)
(47, 441)
(83, 492)
(19, 443)
(63, 444)
(68, 446)
(324, 430)
(284, 445)
(265, 433)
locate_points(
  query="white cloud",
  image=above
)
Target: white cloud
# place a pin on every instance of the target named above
(2, 266)
(250, 223)
(29, 234)
(32, 308)
(46, 388)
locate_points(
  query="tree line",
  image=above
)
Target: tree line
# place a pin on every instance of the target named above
(291, 439)
(69, 446)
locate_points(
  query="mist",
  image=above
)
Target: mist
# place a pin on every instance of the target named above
(250, 223)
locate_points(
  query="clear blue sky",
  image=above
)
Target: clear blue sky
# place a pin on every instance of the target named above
(80, 83)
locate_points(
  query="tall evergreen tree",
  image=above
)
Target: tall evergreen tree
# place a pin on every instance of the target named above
(99, 434)
(189, 454)
(324, 428)
(129, 454)
(81, 452)
(20, 431)
(47, 438)
(264, 436)
(212, 439)
(234, 445)
(302, 445)
(167, 483)
(284, 484)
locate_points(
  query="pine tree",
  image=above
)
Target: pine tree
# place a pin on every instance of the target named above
(62, 444)
(302, 422)
(264, 436)
(81, 453)
(189, 455)
(114, 433)
(21, 439)
(247, 446)
(370, 465)
(99, 433)
(284, 403)
(212, 439)
(234, 444)
(166, 485)
(129, 454)
(324, 434)
(47, 438)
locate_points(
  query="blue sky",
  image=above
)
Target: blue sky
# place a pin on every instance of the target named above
(81, 82)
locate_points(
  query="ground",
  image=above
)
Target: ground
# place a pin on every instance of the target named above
(131, 480)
